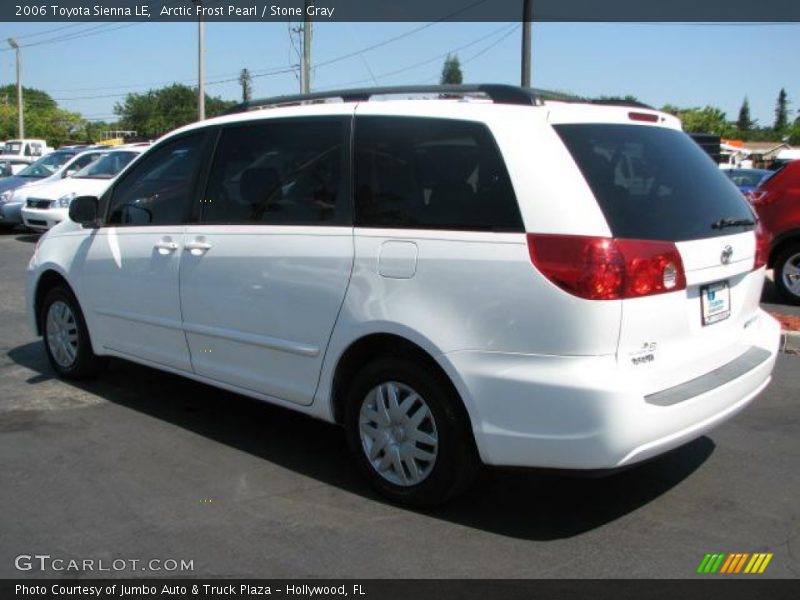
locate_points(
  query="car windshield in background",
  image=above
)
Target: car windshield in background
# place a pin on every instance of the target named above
(107, 166)
(47, 165)
(12, 148)
(655, 183)
(747, 177)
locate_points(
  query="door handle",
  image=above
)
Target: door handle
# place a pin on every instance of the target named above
(165, 246)
(197, 247)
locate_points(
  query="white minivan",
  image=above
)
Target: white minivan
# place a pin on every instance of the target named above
(477, 277)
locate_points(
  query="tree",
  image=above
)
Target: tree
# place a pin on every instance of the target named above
(708, 119)
(744, 122)
(246, 81)
(43, 118)
(158, 111)
(794, 134)
(451, 71)
(781, 111)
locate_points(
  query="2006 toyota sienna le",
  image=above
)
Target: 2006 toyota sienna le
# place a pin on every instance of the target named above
(473, 277)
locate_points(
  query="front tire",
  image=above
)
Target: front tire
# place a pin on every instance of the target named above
(409, 433)
(66, 338)
(787, 274)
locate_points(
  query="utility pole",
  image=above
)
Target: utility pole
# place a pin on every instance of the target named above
(305, 65)
(527, 15)
(201, 71)
(20, 113)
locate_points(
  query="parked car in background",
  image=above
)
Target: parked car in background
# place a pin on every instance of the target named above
(785, 156)
(398, 267)
(10, 166)
(52, 167)
(777, 202)
(47, 204)
(18, 153)
(747, 179)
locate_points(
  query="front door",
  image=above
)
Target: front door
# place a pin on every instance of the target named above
(130, 269)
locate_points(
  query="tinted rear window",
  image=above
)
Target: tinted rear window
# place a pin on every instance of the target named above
(654, 183)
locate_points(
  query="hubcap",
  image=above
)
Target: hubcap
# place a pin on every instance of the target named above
(62, 334)
(791, 274)
(398, 433)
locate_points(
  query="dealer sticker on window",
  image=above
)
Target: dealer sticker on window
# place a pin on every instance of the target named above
(716, 302)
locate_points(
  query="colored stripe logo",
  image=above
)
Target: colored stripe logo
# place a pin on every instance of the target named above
(737, 562)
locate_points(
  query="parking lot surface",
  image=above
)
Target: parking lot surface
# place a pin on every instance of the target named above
(142, 465)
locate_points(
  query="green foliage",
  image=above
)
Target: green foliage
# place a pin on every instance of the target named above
(156, 112)
(744, 122)
(451, 71)
(708, 119)
(43, 118)
(781, 112)
(794, 133)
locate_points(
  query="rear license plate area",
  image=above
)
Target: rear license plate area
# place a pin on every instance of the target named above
(715, 302)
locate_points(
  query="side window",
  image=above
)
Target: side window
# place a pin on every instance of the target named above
(84, 160)
(286, 172)
(79, 163)
(431, 173)
(156, 191)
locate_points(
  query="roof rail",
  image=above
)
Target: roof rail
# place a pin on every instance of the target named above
(498, 93)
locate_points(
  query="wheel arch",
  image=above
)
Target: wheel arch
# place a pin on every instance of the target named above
(781, 243)
(374, 345)
(48, 280)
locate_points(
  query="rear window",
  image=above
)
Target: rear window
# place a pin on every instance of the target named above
(654, 183)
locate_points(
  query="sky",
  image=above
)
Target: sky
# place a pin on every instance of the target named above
(89, 67)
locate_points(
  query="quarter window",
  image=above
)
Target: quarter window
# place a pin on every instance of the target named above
(431, 173)
(156, 191)
(278, 172)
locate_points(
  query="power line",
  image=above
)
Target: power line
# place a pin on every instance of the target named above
(103, 28)
(507, 30)
(46, 31)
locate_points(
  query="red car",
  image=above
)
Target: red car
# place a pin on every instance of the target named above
(777, 202)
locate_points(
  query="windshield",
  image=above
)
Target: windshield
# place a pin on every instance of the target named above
(47, 165)
(654, 183)
(747, 177)
(107, 166)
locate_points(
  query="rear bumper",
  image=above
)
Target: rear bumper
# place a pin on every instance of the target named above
(586, 413)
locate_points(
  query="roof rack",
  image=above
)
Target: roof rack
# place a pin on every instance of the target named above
(498, 93)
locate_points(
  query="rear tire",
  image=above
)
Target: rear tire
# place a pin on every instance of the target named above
(66, 338)
(409, 432)
(787, 274)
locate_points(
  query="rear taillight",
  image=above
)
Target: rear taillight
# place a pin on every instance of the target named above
(759, 198)
(600, 268)
(763, 240)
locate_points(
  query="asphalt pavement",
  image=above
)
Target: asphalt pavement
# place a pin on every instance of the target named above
(143, 465)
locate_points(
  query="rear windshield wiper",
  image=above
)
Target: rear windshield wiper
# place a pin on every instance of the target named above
(723, 223)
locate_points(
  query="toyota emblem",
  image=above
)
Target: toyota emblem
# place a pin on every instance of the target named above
(725, 257)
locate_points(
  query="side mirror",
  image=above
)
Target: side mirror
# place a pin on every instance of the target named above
(69, 173)
(83, 210)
